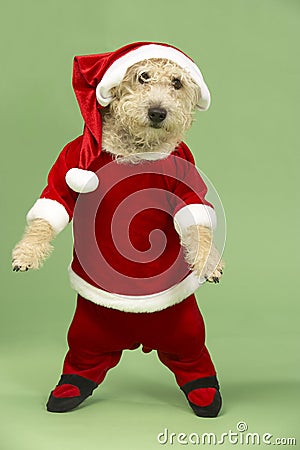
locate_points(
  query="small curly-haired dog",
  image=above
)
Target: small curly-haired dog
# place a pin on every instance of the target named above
(151, 110)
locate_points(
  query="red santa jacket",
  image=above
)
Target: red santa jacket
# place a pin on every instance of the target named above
(127, 223)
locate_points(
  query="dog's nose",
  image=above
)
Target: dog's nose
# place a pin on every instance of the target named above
(157, 115)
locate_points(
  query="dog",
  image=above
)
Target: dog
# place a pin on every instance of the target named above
(150, 110)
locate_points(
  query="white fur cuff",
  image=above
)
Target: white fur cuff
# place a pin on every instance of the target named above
(51, 211)
(194, 214)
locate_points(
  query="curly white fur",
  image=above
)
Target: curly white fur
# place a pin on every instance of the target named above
(201, 254)
(127, 130)
(34, 247)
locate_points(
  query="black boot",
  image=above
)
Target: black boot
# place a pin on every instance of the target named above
(64, 404)
(211, 410)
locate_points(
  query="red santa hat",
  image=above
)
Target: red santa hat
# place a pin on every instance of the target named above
(93, 78)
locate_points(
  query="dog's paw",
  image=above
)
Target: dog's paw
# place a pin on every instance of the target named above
(17, 266)
(215, 275)
(25, 258)
(21, 262)
(34, 247)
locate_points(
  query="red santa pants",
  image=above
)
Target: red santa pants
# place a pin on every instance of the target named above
(98, 335)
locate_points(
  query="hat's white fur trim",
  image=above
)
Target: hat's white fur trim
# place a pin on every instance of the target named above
(115, 73)
(51, 211)
(81, 180)
(194, 214)
(136, 303)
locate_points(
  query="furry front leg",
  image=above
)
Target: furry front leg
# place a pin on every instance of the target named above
(201, 254)
(34, 247)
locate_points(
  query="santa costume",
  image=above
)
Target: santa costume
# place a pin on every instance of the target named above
(134, 286)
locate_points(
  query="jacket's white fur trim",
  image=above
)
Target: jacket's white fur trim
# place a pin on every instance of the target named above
(136, 303)
(81, 180)
(115, 73)
(194, 214)
(51, 211)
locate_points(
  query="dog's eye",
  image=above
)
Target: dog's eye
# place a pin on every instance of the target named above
(176, 83)
(143, 77)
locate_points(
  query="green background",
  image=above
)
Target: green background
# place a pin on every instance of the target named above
(247, 144)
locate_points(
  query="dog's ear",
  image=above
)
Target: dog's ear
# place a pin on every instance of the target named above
(115, 92)
(104, 111)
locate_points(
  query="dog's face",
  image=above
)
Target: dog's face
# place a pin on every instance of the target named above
(155, 101)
